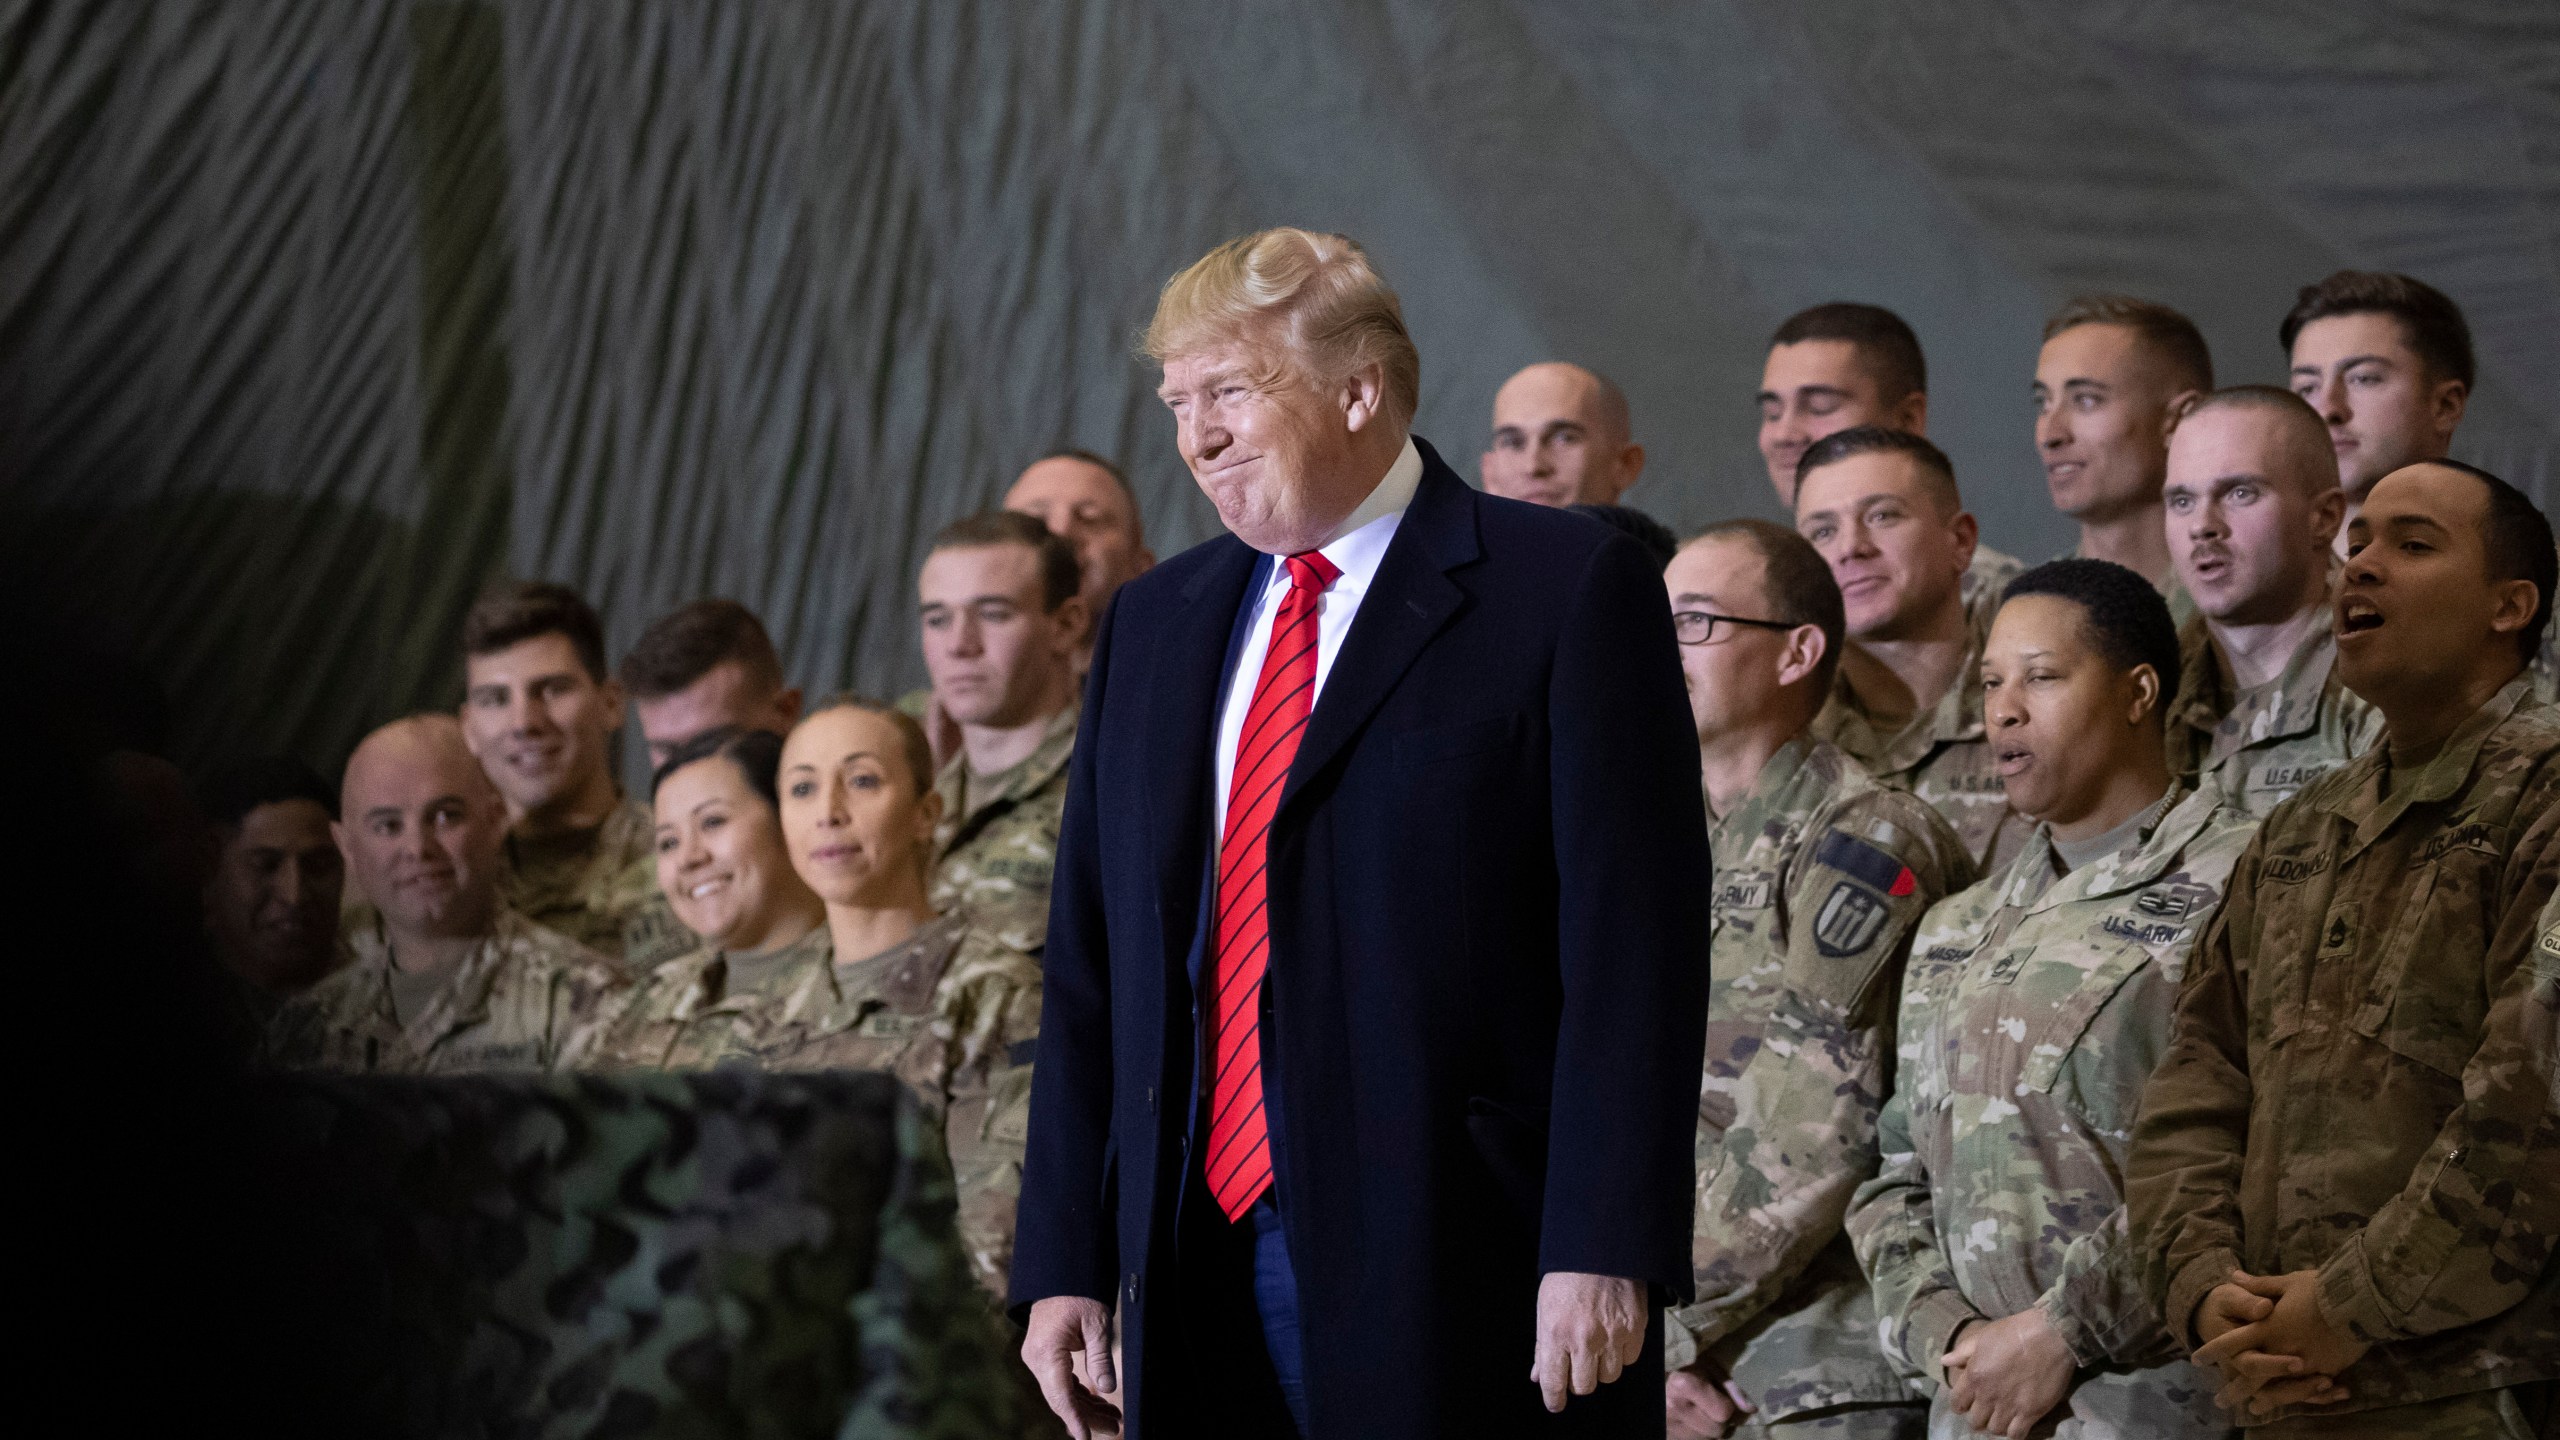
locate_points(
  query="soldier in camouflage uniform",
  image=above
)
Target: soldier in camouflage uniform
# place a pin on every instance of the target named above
(999, 835)
(2357, 1118)
(1883, 509)
(445, 978)
(540, 712)
(1822, 875)
(1002, 625)
(2253, 503)
(2033, 1009)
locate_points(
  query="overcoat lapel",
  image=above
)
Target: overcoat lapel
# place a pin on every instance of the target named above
(1408, 603)
(1182, 700)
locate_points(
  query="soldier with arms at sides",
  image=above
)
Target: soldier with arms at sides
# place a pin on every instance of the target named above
(2035, 1006)
(1841, 365)
(540, 713)
(446, 977)
(1821, 876)
(1881, 506)
(2252, 501)
(2347, 1171)
(704, 666)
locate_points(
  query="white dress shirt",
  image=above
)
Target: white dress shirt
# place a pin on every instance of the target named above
(1358, 544)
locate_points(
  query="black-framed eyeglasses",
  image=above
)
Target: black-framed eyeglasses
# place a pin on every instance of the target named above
(1703, 627)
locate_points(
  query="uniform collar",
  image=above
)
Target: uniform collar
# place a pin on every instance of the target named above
(2129, 869)
(2359, 799)
(1027, 776)
(464, 999)
(2287, 706)
(1957, 717)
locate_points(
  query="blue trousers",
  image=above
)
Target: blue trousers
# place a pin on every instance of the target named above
(1275, 1294)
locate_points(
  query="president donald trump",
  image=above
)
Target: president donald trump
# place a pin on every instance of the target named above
(1377, 959)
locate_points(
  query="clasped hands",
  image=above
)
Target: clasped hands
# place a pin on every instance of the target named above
(2270, 1342)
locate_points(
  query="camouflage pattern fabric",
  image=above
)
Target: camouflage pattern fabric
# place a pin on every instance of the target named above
(1986, 580)
(2545, 673)
(2257, 747)
(2034, 1008)
(717, 1255)
(600, 888)
(2386, 940)
(2525, 1412)
(1822, 877)
(521, 1001)
(1940, 755)
(997, 843)
(953, 1011)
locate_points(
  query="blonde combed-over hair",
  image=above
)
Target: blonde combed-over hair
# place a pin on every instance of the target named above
(1309, 301)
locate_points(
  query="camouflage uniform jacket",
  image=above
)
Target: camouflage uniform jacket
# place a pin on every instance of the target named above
(2362, 1076)
(1941, 755)
(2256, 748)
(1986, 581)
(998, 847)
(600, 888)
(2032, 1012)
(1823, 876)
(523, 1000)
(953, 1011)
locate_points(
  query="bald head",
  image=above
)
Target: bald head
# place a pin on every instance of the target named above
(2251, 503)
(1561, 436)
(421, 827)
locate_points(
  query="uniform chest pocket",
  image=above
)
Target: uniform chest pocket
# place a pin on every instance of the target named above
(2056, 1035)
(2422, 1001)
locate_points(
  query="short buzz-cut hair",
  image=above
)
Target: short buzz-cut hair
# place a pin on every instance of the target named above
(2304, 430)
(2515, 537)
(2126, 620)
(1800, 588)
(1061, 574)
(1884, 342)
(2169, 334)
(2432, 322)
(1939, 471)
(511, 612)
(232, 791)
(1314, 296)
(687, 642)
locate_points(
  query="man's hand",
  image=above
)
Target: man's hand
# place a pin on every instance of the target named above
(1063, 1327)
(2228, 1306)
(2005, 1375)
(1702, 1403)
(2289, 1357)
(1590, 1329)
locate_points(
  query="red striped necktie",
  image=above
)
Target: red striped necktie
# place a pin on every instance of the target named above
(1237, 1162)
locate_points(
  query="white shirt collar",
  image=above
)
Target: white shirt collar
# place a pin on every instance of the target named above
(1393, 494)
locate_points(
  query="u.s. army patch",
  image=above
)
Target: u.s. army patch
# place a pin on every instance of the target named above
(1850, 919)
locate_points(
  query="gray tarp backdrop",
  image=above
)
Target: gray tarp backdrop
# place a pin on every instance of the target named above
(315, 315)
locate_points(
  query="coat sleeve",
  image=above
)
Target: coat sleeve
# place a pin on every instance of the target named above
(2473, 1228)
(2182, 1176)
(1065, 1241)
(1633, 879)
(1776, 1186)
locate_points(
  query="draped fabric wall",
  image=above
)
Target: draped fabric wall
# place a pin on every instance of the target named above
(315, 314)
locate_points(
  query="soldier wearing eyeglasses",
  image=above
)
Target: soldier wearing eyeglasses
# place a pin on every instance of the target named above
(1822, 878)
(1882, 508)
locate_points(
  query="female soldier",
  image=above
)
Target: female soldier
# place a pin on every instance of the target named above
(723, 868)
(886, 983)
(2036, 1004)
